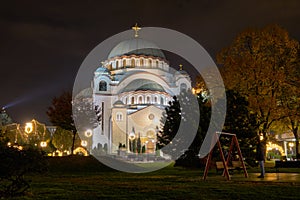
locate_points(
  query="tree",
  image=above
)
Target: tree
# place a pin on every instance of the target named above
(62, 139)
(242, 123)
(5, 119)
(16, 164)
(256, 65)
(60, 114)
(182, 110)
(170, 123)
(290, 104)
(84, 112)
(190, 157)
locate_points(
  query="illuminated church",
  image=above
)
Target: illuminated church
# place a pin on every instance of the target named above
(131, 88)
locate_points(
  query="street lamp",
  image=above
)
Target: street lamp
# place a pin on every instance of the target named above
(88, 133)
(131, 138)
(146, 143)
(84, 143)
(157, 131)
(43, 144)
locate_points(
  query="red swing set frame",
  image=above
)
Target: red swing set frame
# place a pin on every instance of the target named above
(234, 142)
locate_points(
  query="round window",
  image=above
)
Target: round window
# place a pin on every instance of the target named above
(151, 116)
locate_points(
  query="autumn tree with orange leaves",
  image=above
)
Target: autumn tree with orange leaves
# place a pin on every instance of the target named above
(259, 65)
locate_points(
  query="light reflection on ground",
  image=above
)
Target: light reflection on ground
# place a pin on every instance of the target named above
(272, 177)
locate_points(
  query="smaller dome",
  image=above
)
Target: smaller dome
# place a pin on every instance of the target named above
(182, 72)
(102, 70)
(119, 103)
(85, 93)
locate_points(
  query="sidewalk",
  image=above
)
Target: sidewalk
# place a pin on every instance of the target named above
(269, 177)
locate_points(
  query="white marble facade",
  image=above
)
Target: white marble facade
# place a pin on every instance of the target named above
(132, 88)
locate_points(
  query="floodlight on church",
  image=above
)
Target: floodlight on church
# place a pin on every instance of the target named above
(28, 127)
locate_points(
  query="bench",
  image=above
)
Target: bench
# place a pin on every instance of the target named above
(236, 165)
(286, 164)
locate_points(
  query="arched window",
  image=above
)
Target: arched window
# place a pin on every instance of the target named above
(102, 86)
(150, 63)
(119, 116)
(132, 63)
(157, 63)
(148, 100)
(132, 100)
(117, 64)
(161, 101)
(142, 62)
(140, 100)
(155, 99)
(124, 63)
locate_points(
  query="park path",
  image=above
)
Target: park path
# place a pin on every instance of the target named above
(269, 177)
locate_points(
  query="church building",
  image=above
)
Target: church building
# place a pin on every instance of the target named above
(130, 89)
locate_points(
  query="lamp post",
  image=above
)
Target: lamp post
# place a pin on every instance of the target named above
(84, 143)
(131, 138)
(156, 131)
(146, 148)
(88, 133)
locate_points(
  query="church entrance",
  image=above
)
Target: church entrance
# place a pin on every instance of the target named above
(150, 142)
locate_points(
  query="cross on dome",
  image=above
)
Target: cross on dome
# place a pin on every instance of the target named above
(180, 67)
(136, 29)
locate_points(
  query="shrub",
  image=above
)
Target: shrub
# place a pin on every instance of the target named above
(16, 162)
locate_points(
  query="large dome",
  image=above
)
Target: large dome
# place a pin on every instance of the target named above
(136, 46)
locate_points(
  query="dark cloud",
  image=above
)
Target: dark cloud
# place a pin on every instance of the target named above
(43, 43)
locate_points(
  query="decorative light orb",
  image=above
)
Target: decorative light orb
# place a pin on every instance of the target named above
(291, 144)
(88, 133)
(43, 144)
(9, 144)
(28, 127)
(132, 136)
(84, 143)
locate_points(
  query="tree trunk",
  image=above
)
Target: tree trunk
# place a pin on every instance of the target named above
(73, 143)
(297, 150)
(295, 132)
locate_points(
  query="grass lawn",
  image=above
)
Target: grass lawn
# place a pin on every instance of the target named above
(86, 178)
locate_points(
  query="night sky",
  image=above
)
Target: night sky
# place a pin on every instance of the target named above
(42, 44)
